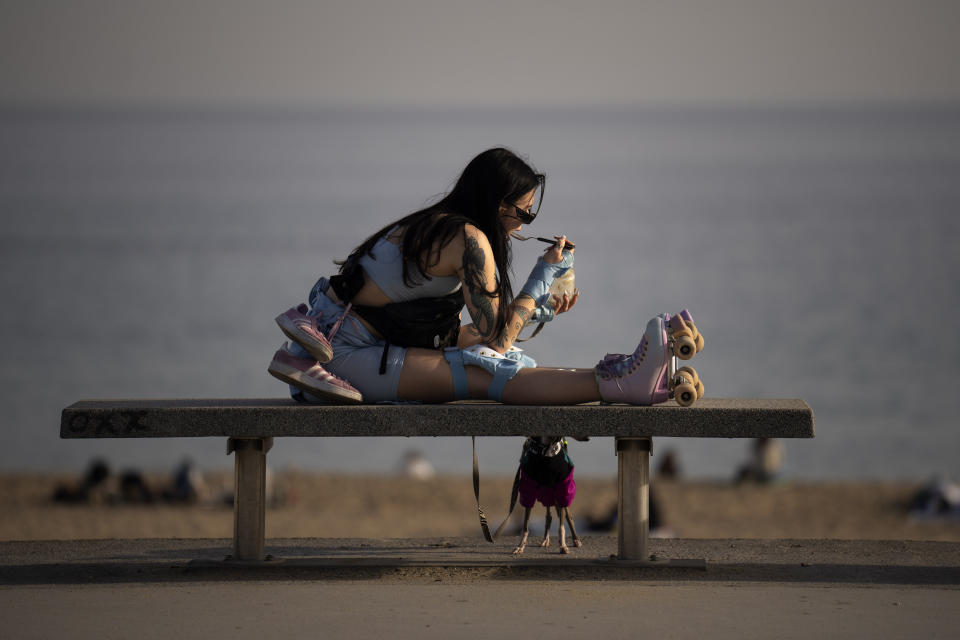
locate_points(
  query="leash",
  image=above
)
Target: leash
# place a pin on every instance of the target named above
(476, 492)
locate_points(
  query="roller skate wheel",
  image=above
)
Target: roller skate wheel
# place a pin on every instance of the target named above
(695, 333)
(699, 386)
(691, 375)
(684, 348)
(685, 394)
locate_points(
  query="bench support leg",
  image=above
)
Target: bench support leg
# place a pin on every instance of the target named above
(633, 494)
(249, 496)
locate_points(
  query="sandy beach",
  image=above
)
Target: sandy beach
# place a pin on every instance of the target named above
(346, 551)
(317, 505)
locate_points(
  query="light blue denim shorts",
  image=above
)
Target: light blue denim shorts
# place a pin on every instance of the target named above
(356, 352)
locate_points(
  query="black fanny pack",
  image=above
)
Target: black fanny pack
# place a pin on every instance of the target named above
(428, 323)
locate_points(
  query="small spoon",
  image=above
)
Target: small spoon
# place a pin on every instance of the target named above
(523, 238)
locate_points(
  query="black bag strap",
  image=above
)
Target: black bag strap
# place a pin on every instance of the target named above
(383, 357)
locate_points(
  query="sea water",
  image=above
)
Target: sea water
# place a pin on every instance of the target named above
(145, 254)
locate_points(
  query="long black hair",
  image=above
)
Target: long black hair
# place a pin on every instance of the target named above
(495, 176)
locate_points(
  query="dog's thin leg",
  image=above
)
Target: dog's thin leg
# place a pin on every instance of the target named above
(524, 533)
(561, 512)
(546, 530)
(573, 530)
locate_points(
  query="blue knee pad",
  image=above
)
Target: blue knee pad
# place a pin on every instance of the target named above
(453, 355)
(502, 368)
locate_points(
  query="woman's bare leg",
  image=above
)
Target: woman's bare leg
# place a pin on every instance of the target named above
(426, 377)
(552, 386)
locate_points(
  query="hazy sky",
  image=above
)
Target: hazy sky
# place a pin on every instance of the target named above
(482, 52)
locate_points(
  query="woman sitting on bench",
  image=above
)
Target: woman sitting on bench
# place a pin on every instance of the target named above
(387, 326)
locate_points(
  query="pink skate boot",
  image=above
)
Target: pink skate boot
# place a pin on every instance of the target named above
(647, 376)
(637, 378)
(307, 375)
(303, 330)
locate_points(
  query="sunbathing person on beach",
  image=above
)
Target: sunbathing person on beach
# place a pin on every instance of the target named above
(387, 327)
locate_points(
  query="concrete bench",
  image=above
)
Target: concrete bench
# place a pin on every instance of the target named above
(251, 424)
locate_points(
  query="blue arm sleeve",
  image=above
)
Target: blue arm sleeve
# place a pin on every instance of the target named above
(542, 276)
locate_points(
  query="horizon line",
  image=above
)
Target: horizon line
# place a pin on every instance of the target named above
(94, 109)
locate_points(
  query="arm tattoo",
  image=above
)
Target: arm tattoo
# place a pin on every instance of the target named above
(524, 315)
(473, 262)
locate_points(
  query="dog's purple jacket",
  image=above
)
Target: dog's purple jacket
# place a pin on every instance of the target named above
(559, 495)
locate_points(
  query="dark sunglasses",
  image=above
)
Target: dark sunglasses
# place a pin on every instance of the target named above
(526, 217)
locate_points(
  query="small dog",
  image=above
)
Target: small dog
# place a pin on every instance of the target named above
(546, 475)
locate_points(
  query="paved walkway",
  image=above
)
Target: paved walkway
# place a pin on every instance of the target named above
(441, 587)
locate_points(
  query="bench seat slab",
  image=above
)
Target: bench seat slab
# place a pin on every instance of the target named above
(264, 418)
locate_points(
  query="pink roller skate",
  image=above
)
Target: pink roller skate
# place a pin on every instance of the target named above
(649, 375)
